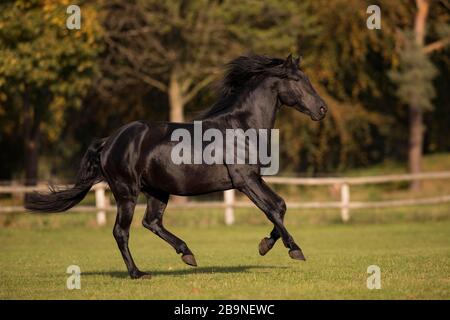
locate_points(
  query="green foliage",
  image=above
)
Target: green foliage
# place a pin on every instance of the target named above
(347, 63)
(150, 42)
(42, 59)
(414, 76)
(267, 27)
(178, 47)
(345, 55)
(162, 43)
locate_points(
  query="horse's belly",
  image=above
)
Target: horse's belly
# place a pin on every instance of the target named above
(162, 172)
(189, 179)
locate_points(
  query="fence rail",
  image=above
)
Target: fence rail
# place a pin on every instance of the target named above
(229, 203)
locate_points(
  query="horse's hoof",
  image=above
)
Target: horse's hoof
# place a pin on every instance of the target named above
(189, 259)
(265, 246)
(297, 254)
(140, 275)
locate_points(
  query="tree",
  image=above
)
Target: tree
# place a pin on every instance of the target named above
(45, 69)
(414, 79)
(172, 46)
(347, 64)
(178, 47)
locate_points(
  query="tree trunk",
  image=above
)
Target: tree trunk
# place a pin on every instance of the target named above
(416, 129)
(176, 114)
(31, 143)
(175, 99)
(31, 160)
(415, 143)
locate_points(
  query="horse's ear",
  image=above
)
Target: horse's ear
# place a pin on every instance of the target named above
(288, 61)
(298, 61)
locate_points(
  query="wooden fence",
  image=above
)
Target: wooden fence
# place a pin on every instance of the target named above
(229, 203)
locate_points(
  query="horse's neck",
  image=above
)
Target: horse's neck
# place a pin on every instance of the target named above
(258, 109)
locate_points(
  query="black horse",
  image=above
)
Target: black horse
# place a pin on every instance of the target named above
(136, 158)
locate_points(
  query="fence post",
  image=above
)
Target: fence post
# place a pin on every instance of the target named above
(100, 203)
(228, 196)
(345, 201)
(18, 196)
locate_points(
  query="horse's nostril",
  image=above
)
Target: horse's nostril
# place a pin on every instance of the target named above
(323, 110)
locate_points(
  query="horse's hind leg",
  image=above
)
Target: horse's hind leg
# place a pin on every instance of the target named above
(121, 231)
(153, 220)
(126, 202)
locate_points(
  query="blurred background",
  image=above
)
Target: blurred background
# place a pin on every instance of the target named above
(387, 89)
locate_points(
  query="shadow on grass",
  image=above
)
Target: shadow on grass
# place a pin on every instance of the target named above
(181, 272)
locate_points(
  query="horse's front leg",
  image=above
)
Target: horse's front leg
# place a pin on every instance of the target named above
(267, 243)
(275, 208)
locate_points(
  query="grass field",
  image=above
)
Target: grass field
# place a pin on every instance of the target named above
(411, 245)
(414, 258)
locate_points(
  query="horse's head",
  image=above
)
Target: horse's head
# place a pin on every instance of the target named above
(295, 90)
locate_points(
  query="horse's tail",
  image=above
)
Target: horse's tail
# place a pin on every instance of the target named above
(89, 173)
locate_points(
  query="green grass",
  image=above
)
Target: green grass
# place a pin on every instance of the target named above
(411, 245)
(414, 259)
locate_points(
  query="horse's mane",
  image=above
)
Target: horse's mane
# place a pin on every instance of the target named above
(240, 74)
